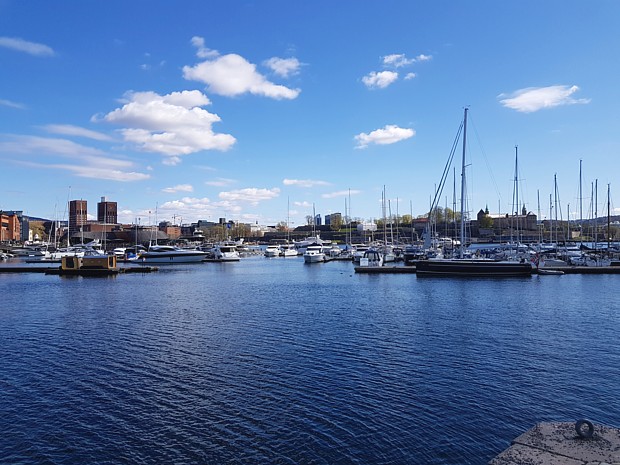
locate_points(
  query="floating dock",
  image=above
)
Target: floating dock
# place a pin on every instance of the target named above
(580, 443)
(585, 269)
(56, 270)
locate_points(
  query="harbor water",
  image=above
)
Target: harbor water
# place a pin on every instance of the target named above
(271, 361)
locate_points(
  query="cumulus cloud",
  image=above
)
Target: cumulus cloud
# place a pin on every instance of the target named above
(201, 50)
(171, 125)
(178, 188)
(304, 204)
(192, 208)
(70, 130)
(10, 104)
(304, 182)
(390, 134)
(283, 67)
(25, 46)
(423, 57)
(252, 195)
(397, 60)
(232, 75)
(85, 162)
(332, 195)
(394, 61)
(379, 80)
(532, 99)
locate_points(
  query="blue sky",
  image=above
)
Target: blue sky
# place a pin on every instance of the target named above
(249, 110)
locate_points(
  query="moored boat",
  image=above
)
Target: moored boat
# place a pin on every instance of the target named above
(314, 254)
(169, 254)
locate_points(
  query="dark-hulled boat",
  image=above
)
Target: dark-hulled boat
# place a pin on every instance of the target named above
(471, 267)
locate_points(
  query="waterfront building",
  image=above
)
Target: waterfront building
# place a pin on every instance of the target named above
(10, 228)
(78, 216)
(171, 230)
(107, 212)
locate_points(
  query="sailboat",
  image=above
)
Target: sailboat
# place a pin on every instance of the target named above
(461, 266)
(288, 249)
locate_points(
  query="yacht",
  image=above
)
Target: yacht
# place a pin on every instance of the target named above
(272, 250)
(226, 252)
(170, 254)
(314, 254)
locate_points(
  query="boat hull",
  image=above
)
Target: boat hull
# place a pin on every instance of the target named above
(458, 267)
(167, 258)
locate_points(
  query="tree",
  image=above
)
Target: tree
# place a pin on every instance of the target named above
(282, 226)
(336, 223)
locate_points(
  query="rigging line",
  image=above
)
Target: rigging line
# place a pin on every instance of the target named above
(486, 160)
(446, 171)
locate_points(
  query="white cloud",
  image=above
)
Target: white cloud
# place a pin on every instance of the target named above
(390, 134)
(202, 51)
(304, 204)
(332, 195)
(171, 125)
(86, 161)
(304, 182)
(220, 182)
(397, 60)
(8, 103)
(380, 79)
(252, 195)
(69, 130)
(283, 67)
(21, 45)
(409, 76)
(423, 57)
(178, 188)
(231, 75)
(532, 99)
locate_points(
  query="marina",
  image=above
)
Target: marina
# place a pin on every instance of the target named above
(207, 363)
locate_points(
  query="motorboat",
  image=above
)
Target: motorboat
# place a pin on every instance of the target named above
(314, 254)
(170, 254)
(226, 252)
(272, 250)
(289, 250)
(372, 257)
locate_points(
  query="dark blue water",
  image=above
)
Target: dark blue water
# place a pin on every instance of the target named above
(273, 361)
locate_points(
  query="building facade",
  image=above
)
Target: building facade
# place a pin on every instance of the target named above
(10, 227)
(107, 212)
(78, 215)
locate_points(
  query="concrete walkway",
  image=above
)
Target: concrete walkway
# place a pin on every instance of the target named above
(560, 444)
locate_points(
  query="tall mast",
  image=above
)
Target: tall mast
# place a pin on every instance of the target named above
(608, 220)
(595, 214)
(463, 185)
(580, 201)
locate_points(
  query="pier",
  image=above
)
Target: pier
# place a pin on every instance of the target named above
(580, 443)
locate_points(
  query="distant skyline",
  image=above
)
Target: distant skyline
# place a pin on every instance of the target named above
(260, 110)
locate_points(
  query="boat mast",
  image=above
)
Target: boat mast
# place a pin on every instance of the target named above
(516, 196)
(580, 204)
(608, 221)
(463, 185)
(595, 214)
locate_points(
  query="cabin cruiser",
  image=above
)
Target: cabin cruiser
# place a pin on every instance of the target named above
(314, 254)
(226, 252)
(272, 250)
(163, 254)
